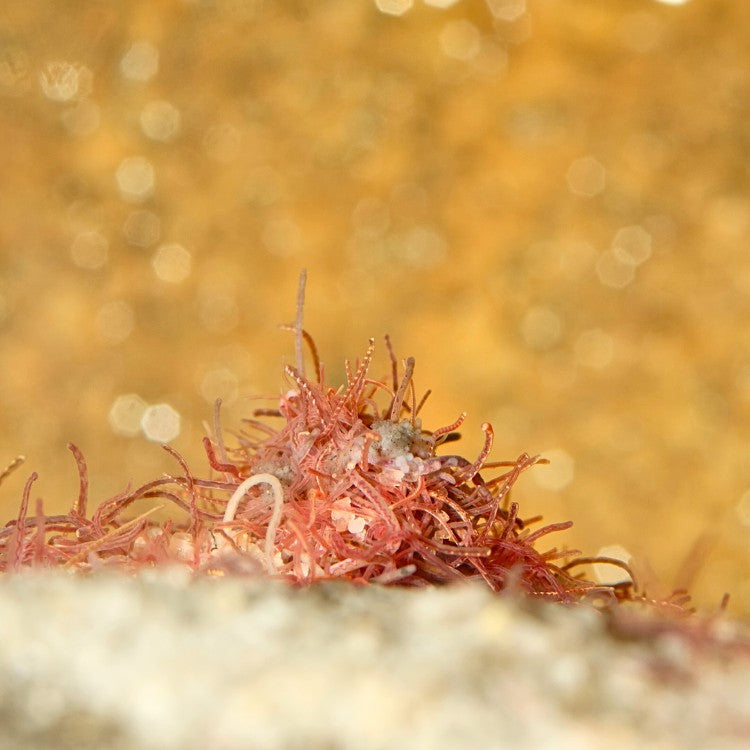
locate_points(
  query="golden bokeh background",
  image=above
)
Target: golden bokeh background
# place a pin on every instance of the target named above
(546, 203)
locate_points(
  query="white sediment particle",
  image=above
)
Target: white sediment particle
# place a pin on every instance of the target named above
(345, 518)
(356, 525)
(396, 438)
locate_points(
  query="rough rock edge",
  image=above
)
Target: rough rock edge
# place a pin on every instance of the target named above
(162, 661)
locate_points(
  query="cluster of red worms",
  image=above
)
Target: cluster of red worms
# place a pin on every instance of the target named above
(349, 486)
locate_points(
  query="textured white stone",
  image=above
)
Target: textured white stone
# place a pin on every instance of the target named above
(162, 662)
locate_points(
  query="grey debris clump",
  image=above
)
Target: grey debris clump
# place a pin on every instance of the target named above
(163, 661)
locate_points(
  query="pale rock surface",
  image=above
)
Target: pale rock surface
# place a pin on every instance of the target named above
(158, 661)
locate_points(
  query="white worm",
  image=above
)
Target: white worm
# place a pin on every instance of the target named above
(278, 501)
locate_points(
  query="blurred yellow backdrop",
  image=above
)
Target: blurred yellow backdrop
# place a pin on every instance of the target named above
(546, 202)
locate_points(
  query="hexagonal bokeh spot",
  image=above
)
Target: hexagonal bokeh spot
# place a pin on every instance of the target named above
(160, 423)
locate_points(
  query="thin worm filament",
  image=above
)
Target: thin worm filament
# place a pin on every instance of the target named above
(273, 524)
